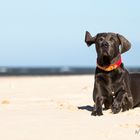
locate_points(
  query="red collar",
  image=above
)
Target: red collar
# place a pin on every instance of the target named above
(115, 65)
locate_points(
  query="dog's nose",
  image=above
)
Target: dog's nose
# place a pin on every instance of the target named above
(105, 44)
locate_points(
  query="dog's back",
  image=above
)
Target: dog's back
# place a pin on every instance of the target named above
(135, 88)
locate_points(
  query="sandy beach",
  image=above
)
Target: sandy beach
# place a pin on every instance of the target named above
(59, 108)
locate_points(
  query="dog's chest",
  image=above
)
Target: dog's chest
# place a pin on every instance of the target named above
(110, 81)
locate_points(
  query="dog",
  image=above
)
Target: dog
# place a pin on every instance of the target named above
(112, 86)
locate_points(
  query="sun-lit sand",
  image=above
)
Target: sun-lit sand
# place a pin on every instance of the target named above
(58, 108)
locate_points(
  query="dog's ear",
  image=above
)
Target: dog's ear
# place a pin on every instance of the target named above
(89, 39)
(125, 44)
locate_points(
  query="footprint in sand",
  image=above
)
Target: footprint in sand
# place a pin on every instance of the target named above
(5, 102)
(66, 105)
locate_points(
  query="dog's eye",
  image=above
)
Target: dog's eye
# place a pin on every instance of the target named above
(112, 39)
(101, 39)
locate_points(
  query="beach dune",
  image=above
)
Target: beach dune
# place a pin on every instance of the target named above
(59, 107)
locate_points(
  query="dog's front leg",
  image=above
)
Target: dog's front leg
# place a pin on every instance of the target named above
(118, 100)
(97, 109)
(127, 102)
(122, 101)
(98, 99)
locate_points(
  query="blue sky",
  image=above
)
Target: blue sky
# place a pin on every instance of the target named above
(51, 32)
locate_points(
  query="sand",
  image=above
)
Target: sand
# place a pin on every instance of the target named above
(47, 108)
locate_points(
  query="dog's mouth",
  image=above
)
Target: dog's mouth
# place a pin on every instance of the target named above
(106, 60)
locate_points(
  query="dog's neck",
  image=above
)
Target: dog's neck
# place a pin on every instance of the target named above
(115, 63)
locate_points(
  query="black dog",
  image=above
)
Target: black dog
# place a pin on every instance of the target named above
(112, 81)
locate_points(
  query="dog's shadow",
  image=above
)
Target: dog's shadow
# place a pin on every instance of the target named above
(87, 107)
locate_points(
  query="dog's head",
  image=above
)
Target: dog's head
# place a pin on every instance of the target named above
(108, 46)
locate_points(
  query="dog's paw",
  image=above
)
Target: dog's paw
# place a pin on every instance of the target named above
(97, 113)
(94, 113)
(116, 107)
(127, 103)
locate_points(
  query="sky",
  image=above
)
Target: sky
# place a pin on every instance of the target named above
(51, 33)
